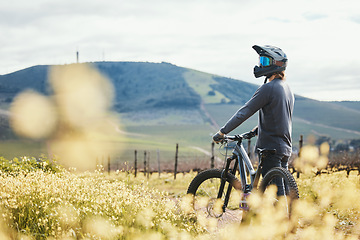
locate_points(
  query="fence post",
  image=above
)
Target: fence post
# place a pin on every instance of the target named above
(301, 141)
(158, 160)
(109, 164)
(212, 165)
(148, 166)
(135, 165)
(176, 160)
(144, 163)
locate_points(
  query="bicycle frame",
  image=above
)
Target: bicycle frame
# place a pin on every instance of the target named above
(244, 165)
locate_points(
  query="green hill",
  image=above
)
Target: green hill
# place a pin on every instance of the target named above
(143, 85)
(354, 105)
(171, 104)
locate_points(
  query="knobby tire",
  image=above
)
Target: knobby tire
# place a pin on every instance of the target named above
(290, 189)
(211, 174)
(206, 184)
(290, 183)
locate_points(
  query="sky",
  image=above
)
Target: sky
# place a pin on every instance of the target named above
(213, 36)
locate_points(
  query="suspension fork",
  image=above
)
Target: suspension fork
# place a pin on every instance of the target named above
(257, 175)
(224, 177)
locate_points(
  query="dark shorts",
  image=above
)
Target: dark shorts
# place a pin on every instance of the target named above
(272, 161)
(276, 160)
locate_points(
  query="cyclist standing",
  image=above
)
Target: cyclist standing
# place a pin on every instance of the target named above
(275, 102)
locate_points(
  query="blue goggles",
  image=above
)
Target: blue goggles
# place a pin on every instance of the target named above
(265, 61)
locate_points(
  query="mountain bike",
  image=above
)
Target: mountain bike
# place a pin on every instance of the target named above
(212, 188)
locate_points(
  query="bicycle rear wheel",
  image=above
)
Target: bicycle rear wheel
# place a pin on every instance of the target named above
(287, 190)
(205, 187)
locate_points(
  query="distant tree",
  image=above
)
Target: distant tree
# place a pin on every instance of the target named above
(211, 93)
(355, 143)
(322, 139)
(341, 147)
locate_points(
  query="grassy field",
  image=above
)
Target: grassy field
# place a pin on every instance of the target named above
(16, 148)
(161, 130)
(201, 82)
(40, 204)
(163, 139)
(331, 114)
(152, 139)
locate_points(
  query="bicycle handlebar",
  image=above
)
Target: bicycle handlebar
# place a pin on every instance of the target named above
(247, 135)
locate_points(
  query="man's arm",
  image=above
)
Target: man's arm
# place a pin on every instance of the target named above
(258, 100)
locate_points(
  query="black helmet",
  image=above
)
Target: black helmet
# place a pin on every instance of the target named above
(272, 60)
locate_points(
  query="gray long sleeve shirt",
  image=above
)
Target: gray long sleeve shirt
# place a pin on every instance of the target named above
(275, 103)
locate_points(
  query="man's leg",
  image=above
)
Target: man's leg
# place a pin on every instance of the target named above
(272, 161)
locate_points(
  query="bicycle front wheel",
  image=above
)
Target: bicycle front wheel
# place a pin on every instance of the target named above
(286, 187)
(205, 187)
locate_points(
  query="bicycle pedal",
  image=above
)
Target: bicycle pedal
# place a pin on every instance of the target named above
(243, 203)
(244, 206)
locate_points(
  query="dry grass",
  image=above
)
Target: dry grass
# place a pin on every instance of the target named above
(66, 205)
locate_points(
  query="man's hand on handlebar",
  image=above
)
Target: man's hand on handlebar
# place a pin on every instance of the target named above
(250, 134)
(219, 137)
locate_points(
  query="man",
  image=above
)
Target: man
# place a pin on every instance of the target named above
(275, 102)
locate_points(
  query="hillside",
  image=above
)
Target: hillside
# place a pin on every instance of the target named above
(354, 105)
(155, 99)
(143, 85)
(140, 86)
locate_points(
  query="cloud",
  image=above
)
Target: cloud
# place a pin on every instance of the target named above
(355, 18)
(281, 20)
(326, 83)
(213, 36)
(312, 16)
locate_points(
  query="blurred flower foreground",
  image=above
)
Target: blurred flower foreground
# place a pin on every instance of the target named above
(76, 121)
